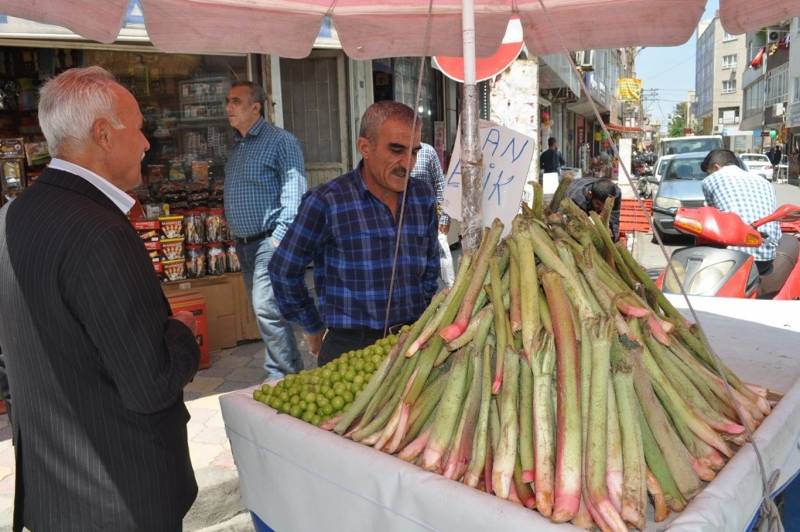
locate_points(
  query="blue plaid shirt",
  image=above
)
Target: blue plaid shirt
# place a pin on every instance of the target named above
(429, 169)
(264, 181)
(751, 197)
(350, 234)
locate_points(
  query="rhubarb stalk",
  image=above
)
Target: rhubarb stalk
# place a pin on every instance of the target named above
(505, 457)
(478, 458)
(595, 464)
(447, 412)
(634, 494)
(457, 328)
(568, 439)
(526, 420)
(529, 286)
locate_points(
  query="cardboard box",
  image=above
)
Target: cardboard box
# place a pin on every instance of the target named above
(194, 302)
(229, 312)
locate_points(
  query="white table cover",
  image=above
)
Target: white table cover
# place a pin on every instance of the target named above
(298, 478)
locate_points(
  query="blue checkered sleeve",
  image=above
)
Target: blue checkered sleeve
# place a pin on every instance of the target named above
(288, 265)
(292, 169)
(429, 169)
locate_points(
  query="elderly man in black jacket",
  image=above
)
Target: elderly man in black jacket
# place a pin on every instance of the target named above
(96, 365)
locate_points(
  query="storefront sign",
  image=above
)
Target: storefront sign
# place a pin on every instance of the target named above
(507, 159)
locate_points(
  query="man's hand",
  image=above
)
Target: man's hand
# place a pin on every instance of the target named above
(187, 318)
(315, 342)
(444, 228)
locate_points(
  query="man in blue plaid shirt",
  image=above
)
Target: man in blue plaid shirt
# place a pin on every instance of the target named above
(429, 169)
(731, 189)
(348, 227)
(264, 181)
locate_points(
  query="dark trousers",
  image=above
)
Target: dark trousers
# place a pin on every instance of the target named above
(340, 341)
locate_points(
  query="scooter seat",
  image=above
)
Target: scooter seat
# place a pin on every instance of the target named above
(785, 259)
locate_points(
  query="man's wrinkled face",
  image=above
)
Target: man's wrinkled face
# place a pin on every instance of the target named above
(241, 110)
(390, 157)
(128, 141)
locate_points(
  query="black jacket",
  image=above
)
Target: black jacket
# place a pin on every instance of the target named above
(96, 368)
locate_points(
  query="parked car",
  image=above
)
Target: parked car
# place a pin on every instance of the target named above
(758, 164)
(681, 186)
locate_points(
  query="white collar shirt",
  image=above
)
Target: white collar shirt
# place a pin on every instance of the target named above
(118, 196)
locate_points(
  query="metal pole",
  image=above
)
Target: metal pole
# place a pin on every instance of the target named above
(471, 157)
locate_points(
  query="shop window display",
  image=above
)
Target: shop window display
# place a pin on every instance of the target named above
(182, 99)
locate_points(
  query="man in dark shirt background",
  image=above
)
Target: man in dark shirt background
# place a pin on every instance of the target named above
(551, 159)
(590, 194)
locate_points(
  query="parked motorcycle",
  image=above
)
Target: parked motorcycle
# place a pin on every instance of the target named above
(710, 269)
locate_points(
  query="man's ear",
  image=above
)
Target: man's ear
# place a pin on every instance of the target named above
(363, 145)
(101, 133)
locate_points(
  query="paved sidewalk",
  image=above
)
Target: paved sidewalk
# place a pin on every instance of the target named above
(217, 507)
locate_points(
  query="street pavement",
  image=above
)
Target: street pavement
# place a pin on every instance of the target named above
(218, 507)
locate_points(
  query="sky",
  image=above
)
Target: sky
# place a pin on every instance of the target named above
(671, 71)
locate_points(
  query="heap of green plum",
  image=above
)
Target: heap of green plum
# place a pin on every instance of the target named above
(315, 395)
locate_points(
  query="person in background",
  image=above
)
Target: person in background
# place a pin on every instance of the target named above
(551, 160)
(429, 170)
(264, 181)
(590, 194)
(730, 188)
(95, 363)
(348, 228)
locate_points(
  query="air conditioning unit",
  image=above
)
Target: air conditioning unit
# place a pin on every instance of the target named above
(584, 59)
(774, 36)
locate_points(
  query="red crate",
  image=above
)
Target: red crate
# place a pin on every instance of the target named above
(631, 217)
(195, 303)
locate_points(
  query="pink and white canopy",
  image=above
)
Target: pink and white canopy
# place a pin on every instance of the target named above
(394, 28)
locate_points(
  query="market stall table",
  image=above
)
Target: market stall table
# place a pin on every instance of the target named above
(297, 477)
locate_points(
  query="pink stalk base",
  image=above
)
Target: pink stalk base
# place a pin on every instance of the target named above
(328, 424)
(497, 384)
(631, 310)
(658, 331)
(528, 476)
(487, 469)
(400, 432)
(614, 481)
(453, 331)
(432, 459)
(566, 505)
(372, 439)
(716, 460)
(703, 471)
(389, 430)
(610, 515)
(596, 517)
(411, 451)
(512, 495)
(583, 519)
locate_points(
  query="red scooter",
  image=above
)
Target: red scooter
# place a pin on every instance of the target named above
(709, 269)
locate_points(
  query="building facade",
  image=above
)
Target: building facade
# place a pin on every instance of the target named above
(720, 61)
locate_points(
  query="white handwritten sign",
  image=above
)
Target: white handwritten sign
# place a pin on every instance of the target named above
(507, 157)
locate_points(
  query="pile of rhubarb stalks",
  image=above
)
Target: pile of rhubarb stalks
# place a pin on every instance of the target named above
(555, 374)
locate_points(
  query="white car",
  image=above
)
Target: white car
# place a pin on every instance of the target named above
(661, 167)
(758, 164)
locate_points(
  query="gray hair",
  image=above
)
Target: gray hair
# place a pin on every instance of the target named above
(379, 112)
(257, 94)
(70, 103)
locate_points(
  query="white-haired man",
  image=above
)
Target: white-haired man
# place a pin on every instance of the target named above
(96, 365)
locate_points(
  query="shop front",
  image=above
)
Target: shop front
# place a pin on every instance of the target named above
(180, 218)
